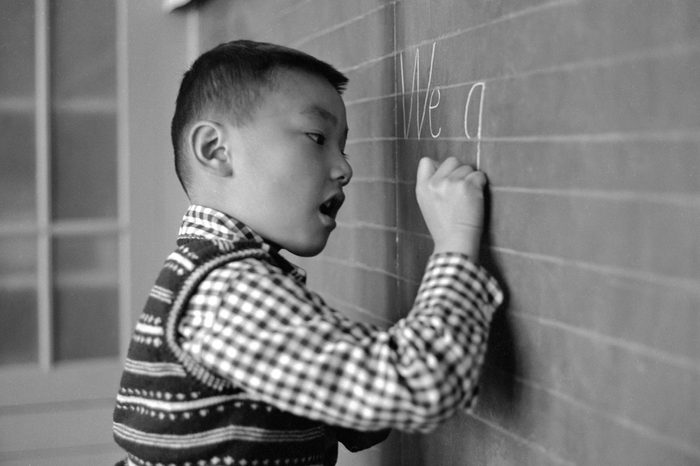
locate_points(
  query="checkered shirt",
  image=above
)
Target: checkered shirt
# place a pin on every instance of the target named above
(255, 323)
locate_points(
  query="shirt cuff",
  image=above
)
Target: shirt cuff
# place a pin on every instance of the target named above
(468, 277)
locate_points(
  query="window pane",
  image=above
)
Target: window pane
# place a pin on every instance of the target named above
(84, 166)
(18, 302)
(17, 165)
(86, 320)
(16, 48)
(17, 168)
(83, 108)
(83, 48)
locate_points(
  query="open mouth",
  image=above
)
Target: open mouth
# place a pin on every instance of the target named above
(331, 207)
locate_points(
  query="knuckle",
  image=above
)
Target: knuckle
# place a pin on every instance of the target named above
(435, 184)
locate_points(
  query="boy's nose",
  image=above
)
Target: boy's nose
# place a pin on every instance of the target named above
(342, 171)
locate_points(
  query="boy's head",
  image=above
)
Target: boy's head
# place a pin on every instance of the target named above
(259, 132)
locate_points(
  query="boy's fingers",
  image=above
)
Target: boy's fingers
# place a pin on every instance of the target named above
(461, 172)
(426, 169)
(450, 168)
(447, 166)
(477, 178)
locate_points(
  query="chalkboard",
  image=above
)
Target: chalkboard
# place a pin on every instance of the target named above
(585, 115)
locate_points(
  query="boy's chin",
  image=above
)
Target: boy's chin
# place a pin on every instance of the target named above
(307, 249)
(306, 252)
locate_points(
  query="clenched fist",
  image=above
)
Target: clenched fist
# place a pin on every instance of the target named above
(451, 199)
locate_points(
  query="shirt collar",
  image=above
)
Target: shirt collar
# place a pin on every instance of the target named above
(205, 222)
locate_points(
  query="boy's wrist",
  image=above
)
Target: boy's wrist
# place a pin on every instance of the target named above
(467, 244)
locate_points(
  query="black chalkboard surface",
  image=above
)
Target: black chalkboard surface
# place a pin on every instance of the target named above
(585, 115)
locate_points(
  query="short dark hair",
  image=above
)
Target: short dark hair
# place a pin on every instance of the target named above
(231, 78)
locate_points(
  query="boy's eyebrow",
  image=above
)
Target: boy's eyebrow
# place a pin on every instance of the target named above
(321, 112)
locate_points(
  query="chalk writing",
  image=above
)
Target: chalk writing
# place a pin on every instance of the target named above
(415, 90)
(473, 113)
(481, 86)
(432, 107)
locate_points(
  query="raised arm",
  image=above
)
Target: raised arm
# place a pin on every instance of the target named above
(271, 336)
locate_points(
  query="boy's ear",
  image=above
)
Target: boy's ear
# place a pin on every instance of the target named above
(208, 144)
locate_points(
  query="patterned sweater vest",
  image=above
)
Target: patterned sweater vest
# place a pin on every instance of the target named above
(172, 411)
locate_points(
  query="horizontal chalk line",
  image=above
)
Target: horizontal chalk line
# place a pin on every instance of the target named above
(687, 285)
(602, 62)
(454, 33)
(359, 224)
(502, 19)
(528, 443)
(363, 100)
(340, 25)
(290, 9)
(678, 361)
(650, 352)
(621, 421)
(457, 32)
(654, 53)
(691, 201)
(372, 139)
(660, 52)
(370, 61)
(671, 135)
(624, 422)
(415, 233)
(683, 135)
(690, 135)
(374, 180)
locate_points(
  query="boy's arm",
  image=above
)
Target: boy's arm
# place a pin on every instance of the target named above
(277, 340)
(280, 342)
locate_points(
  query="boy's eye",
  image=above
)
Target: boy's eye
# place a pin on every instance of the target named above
(319, 139)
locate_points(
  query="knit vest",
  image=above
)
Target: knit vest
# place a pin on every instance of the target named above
(170, 410)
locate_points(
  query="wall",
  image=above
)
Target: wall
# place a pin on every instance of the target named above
(585, 114)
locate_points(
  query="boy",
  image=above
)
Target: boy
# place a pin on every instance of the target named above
(234, 360)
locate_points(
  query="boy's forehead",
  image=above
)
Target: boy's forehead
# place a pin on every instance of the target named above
(310, 95)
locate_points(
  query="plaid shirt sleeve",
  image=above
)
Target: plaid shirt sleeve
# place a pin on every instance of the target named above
(271, 336)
